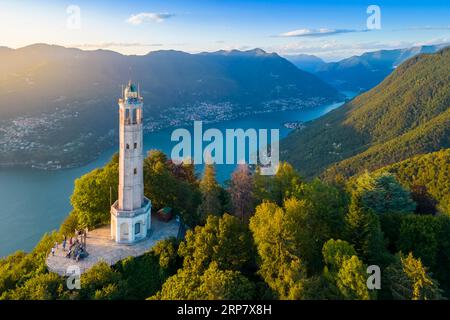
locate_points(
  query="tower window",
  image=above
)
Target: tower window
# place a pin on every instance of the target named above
(137, 228)
(128, 146)
(135, 145)
(135, 171)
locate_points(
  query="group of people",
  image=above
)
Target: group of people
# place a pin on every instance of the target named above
(76, 248)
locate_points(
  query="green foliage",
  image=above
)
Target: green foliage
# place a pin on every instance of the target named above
(214, 257)
(45, 286)
(382, 193)
(211, 194)
(224, 240)
(225, 285)
(431, 171)
(181, 286)
(94, 193)
(335, 252)
(351, 280)
(167, 184)
(70, 224)
(284, 184)
(409, 280)
(278, 239)
(364, 232)
(99, 281)
(419, 235)
(344, 271)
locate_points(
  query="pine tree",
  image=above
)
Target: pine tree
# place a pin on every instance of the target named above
(382, 193)
(210, 190)
(409, 280)
(364, 231)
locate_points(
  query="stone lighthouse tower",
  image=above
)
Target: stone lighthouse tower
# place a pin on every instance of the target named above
(130, 215)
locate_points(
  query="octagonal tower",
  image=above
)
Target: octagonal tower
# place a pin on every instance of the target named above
(131, 213)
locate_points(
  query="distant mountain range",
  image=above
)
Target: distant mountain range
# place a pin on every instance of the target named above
(66, 97)
(35, 78)
(306, 62)
(360, 73)
(406, 115)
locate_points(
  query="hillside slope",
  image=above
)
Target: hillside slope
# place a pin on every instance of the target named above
(407, 114)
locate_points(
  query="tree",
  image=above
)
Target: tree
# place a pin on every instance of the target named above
(382, 193)
(222, 239)
(409, 280)
(419, 235)
(91, 198)
(345, 271)
(210, 190)
(364, 231)
(167, 184)
(351, 280)
(324, 219)
(284, 184)
(241, 191)
(181, 286)
(277, 238)
(46, 286)
(214, 257)
(335, 252)
(217, 284)
(100, 282)
(70, 224)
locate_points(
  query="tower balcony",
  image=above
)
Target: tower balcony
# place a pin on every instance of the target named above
(144, 209)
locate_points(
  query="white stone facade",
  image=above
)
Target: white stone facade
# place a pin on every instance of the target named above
(130, 214)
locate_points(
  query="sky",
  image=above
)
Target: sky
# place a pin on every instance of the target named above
(331, 30)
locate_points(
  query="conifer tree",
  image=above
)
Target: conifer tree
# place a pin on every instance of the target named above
(210, 190)
(241, 191)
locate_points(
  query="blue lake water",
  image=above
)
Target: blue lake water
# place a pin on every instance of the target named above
(34, 202)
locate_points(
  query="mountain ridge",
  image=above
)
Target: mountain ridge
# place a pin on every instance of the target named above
(407, 114)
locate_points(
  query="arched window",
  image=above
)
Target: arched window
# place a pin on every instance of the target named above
(135, 171)
(135, 145)
(128, 146)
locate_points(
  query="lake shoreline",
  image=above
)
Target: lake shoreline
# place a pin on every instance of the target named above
(36, 201)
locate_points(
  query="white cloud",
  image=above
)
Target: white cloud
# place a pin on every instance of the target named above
(142, 17)
(306, 32)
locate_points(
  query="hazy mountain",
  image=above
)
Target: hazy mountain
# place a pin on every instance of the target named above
(407, 114)
(361, 73)
(69, 97)
(306, 62)
(34, 78)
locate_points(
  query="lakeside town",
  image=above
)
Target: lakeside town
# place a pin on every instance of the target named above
(27, 141)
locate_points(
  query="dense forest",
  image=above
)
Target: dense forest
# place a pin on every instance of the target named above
(406, 115)
(264, 237)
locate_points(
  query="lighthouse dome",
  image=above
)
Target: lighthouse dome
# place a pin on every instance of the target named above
(130, 90)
